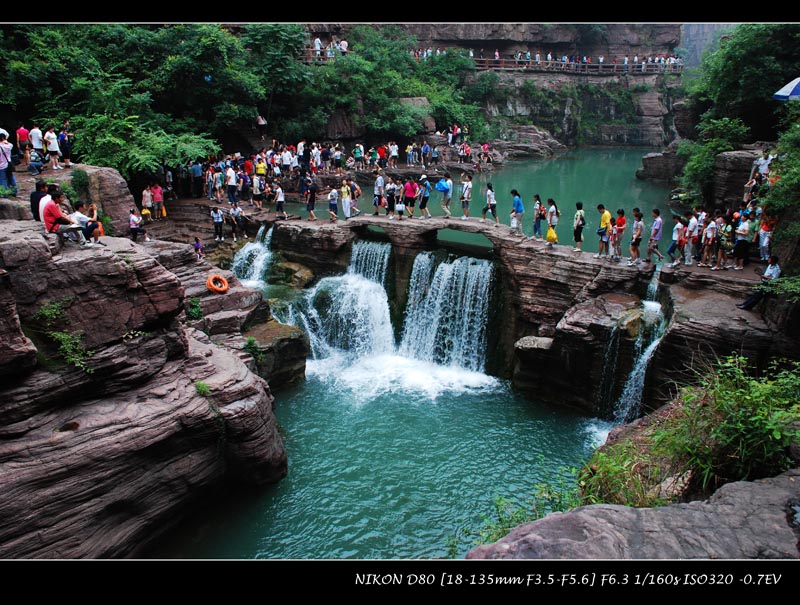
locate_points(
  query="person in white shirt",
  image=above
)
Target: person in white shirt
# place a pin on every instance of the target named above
(51, 138)
(692, 232)
(230, 183)
(37, 139)
(317, 47)
(466, 195)
(772, 272)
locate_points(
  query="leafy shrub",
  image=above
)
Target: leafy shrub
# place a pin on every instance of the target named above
(71, 349)
(202, 388)
(80, 181)
(251, 346)
(195, 311)
(7, 191)
(735, 427)
(622, 474)
(53, 311)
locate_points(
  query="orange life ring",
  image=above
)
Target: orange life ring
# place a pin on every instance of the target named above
(217, 284)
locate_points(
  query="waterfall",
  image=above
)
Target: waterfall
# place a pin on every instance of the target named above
(610, 357)
(446, 315)
(370, 259)
(345, 313)
(252, 260)
(652, 287)
(654, 326)
(445, 319)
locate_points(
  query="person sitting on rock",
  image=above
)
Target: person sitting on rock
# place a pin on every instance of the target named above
(90, 224)
(771, 273)
(36, 196)
(35, 163)
(198, 248)
(134, 222)
(55, 221)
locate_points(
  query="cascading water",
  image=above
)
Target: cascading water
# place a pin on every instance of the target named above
(654, 326)
(446, 315)
(347, 313)
(370, 259)
(443, 347)
(610, 357)
(252, 260)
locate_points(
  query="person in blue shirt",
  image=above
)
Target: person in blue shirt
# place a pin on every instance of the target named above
(516, 212)
(197, 179)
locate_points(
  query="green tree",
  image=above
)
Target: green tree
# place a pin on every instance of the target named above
(739, 79)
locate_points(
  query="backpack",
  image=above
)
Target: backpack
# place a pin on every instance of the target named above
(442, 186)
(582, 220)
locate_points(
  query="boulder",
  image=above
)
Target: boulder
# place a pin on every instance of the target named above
(324, 248)
(284, 350)
(578, 364)
(15, 210)
(665, 166)
(732, 170)
(743, 520)
(88, 282)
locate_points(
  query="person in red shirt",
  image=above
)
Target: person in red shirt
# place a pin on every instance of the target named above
(24, 143)
(248, 166)
(382, 156)
(55, 221)
(158, 200)
(620, 225)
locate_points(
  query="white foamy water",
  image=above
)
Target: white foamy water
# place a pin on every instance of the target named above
(252, 260)
(597, 431)
(368, 378)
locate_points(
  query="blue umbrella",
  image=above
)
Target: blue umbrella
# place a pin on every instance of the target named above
(789, 92)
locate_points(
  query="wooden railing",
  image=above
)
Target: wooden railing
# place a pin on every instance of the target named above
(311, 57)
(582, 68)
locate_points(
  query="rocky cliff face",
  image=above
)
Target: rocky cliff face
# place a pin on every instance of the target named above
(744, 520)
(731, 171)
(592, 39)
(613, 109)
(99, 451)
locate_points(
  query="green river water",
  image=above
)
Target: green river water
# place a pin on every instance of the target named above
(390, 454)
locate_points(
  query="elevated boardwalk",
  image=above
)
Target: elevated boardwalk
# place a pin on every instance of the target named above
(309, 57)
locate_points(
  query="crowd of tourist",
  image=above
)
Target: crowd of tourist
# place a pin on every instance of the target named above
(718, 239)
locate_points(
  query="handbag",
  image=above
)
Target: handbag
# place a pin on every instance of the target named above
(514, 223)
(551, 235)
(601, 231)
(10, 168)
(383, 202)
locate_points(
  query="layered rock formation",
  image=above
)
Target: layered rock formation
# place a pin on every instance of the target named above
(589, 39)
(732, 170)
(744, 520)
(666, 166)
(103, 444)
(611, 109)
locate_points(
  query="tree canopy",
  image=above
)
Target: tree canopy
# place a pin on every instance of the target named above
(740, 77)
(139, 95)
